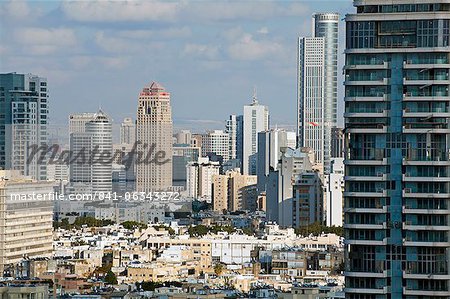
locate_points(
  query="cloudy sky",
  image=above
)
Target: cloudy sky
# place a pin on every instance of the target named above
(209, 55)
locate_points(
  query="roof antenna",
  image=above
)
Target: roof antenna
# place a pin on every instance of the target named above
(255, 98)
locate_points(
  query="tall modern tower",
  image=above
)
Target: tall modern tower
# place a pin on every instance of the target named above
(94, 176)
(154, 129)
(231, 130)
(23, 122)
(255, 120)
(127, 131)
(317, 87)
(397, 167)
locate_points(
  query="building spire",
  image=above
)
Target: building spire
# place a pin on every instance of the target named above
(255, 98)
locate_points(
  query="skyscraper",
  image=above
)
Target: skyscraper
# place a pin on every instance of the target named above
(128, 131)
(97, 136)
(216, 142)
(23, 122)
(255, 119)
(154, 129)
(77, 122)
(317, 87)
(397, 180)
(231, 130)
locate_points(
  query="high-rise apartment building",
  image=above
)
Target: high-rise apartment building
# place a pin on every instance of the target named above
(231, 129)
(334, 190)
(199, 178)
(234, 191)
(271, 144)
(127, 131)
(26, 219)
(255, 119)
(89, 172)
(154, 128)
(282, 204)
(397, 181)
(184, 137)
(216, 142)
(317, 87)
(23, 122)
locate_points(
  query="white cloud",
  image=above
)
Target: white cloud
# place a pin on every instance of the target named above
(247, 48)
(263, 30)
(16, 9)
(114, 62)
(42, 36)
(3, 50)
(198, 11)
(112, 11)
(202, 51)
(124, 45)
(248, 10)
(182, 32)
(41, 41)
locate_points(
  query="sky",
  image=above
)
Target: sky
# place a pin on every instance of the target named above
(208, 54)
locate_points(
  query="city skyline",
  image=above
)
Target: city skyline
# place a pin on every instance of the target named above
(64, 44)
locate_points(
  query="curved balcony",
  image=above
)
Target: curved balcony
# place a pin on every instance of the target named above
(410, 130)
(381, 129)
(368, 113)
(366, 291)
(408, 178)
(381, 210)
(407, 291)
(426, 114)
(424, 97)
(416, 243)
(406, 210)
(376, 273)
(424, 66)
(378, 193)
(413, 227)
(383, 161)
(424, 82)
(382, 225)
(376, 98)
(408, 275)
(382, 81)
(378, 178)
(407, 192)
(367, 242)
(378, 65)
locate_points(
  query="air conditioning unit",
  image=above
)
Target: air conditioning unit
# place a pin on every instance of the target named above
(407, 190)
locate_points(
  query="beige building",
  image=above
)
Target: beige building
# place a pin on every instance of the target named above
(24, 291)
(26, 219)
(154, 129)
(234, 192)
(199, 178)
(201, 249)
(77, 122)
(161, 271)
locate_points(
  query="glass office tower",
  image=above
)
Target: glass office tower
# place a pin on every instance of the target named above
(317, 87)
(397, 160)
